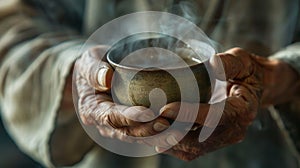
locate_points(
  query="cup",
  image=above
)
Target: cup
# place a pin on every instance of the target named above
(152, 67)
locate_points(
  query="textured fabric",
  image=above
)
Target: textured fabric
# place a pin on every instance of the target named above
(30, 99)
(35, 63)
(38, 51)
(289, 113)
(291, 55)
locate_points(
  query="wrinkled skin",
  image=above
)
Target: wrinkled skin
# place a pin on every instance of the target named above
(251, 84)
(244, 89)
(96, 107)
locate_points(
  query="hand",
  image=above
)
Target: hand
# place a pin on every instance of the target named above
(95, 105)
(252, 82)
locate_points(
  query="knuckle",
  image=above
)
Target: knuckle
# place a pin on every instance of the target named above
(127, 132)
(239, 111)
(237, 49)
(86, 119)
(110, 120)
(145, 131)
(237, 52)
(83, 59)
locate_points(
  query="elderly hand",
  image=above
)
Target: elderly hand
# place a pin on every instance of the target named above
(95, 105)
(252, 82)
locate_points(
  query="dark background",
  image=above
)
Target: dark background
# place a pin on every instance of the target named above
(10, 155)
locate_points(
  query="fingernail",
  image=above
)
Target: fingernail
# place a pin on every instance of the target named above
(163, 109)
(158, 126)
(172, 140)
(102, 76)
(167, 112)
(159, 149)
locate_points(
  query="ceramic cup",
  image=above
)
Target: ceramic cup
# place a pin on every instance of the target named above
(158, 68)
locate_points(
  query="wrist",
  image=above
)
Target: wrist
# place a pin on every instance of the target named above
(280, 82)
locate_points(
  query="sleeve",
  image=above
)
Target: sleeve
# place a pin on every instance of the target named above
(290, 55)
(36, 63)
(287, 116)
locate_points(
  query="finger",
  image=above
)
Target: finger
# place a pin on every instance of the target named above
(248, 93)
(97, 72)
(148, 129)
(136, 134)
(112, 133)
(241, 106)
(142, 130)
(100, 110)
(222, 136)
(119, 116)
(95, 108)
(233, 64)
(185, 112)
(165, 139)
(88, 101)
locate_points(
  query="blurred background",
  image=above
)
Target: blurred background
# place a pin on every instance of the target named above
(10, 155)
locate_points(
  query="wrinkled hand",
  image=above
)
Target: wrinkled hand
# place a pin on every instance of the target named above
(95, 105)
(247, 77)
(252, 82)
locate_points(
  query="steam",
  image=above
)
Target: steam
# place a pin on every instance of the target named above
(174, 35)
(186, 9)
(159, 58)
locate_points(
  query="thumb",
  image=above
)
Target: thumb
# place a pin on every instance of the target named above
(104, 77)
(97, 72)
